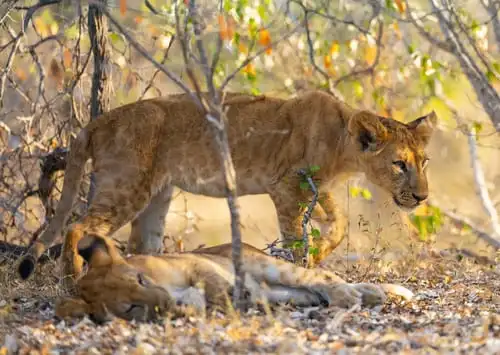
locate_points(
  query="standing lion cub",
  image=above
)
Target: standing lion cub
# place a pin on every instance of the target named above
(145, 287)
(141, 151)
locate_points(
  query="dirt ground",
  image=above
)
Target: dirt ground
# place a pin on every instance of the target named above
(455, 310)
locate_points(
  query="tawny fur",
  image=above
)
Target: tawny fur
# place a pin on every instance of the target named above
(141, 151)
(144, 287)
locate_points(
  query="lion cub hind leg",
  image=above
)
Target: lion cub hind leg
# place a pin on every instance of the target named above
(148, 227)
(118, 199)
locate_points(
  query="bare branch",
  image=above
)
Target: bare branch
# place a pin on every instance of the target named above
(371, 69)
(485, 93)
(479, 177)
(138, 47)
(308, 213)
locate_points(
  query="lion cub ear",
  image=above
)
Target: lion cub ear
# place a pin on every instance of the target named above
(424, 126)
(368, 129)
(97, 251)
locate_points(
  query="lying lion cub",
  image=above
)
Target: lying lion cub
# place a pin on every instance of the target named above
(144, 287)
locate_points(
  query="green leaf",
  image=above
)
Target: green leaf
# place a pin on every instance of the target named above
(313, 251)
(304, 185)
(490, 76)
(314, 169)
(315, 233)
(71, 32)
(302, 205)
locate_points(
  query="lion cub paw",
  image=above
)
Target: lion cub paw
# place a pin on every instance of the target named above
(372, 295)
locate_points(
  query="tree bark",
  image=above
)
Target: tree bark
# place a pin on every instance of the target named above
(99, 100)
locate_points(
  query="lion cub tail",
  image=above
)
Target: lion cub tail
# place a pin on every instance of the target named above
(78, 155)
(397, 290)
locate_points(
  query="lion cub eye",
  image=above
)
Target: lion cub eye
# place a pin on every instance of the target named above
(401, 165)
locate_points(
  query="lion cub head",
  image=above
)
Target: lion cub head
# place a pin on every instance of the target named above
(392, 154)
(112, 286)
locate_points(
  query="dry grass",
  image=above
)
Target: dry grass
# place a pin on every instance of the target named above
(456, 309)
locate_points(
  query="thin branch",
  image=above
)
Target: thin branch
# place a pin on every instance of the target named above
(308, 213)
(257, 54)
(370, 69)
(479, 178)
(138, 47)
(7, 68)
(486, 94)
(463, 220)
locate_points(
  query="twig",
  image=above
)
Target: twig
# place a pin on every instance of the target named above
(7, 68)
(308, 213)
(251, 58)
(463, 220)
(479, 178)
(370, 69)
(31, 10)
(138, 47)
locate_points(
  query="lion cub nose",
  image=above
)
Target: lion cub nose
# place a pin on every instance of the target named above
(420, 197)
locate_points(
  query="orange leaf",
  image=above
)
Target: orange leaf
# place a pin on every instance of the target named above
(249, 69)
(334, 47)
(21, 74)
(67, 58)
(401, 6)
(223, 31)
(230, 28)
(264, 38)
(327, 61)
(138, 19)
(123, 7)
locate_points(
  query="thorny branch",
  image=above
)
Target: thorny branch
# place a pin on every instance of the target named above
(308, 213)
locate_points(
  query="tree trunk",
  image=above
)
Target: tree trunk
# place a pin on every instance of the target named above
(99, 100)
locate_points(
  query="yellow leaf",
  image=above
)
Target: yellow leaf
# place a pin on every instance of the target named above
(242, 48)
(370, 54)
(54, 28)
(249, 69)
(41, 27)
(334, 48)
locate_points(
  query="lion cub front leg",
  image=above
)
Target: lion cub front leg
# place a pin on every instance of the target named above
(288, 201)
(333, 224)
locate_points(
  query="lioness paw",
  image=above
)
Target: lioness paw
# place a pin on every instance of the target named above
(372, 295)
(343, 295)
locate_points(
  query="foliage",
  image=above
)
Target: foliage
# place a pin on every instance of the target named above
(391, 57)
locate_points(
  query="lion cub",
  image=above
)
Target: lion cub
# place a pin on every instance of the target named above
(142, 150)
(144, 287)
